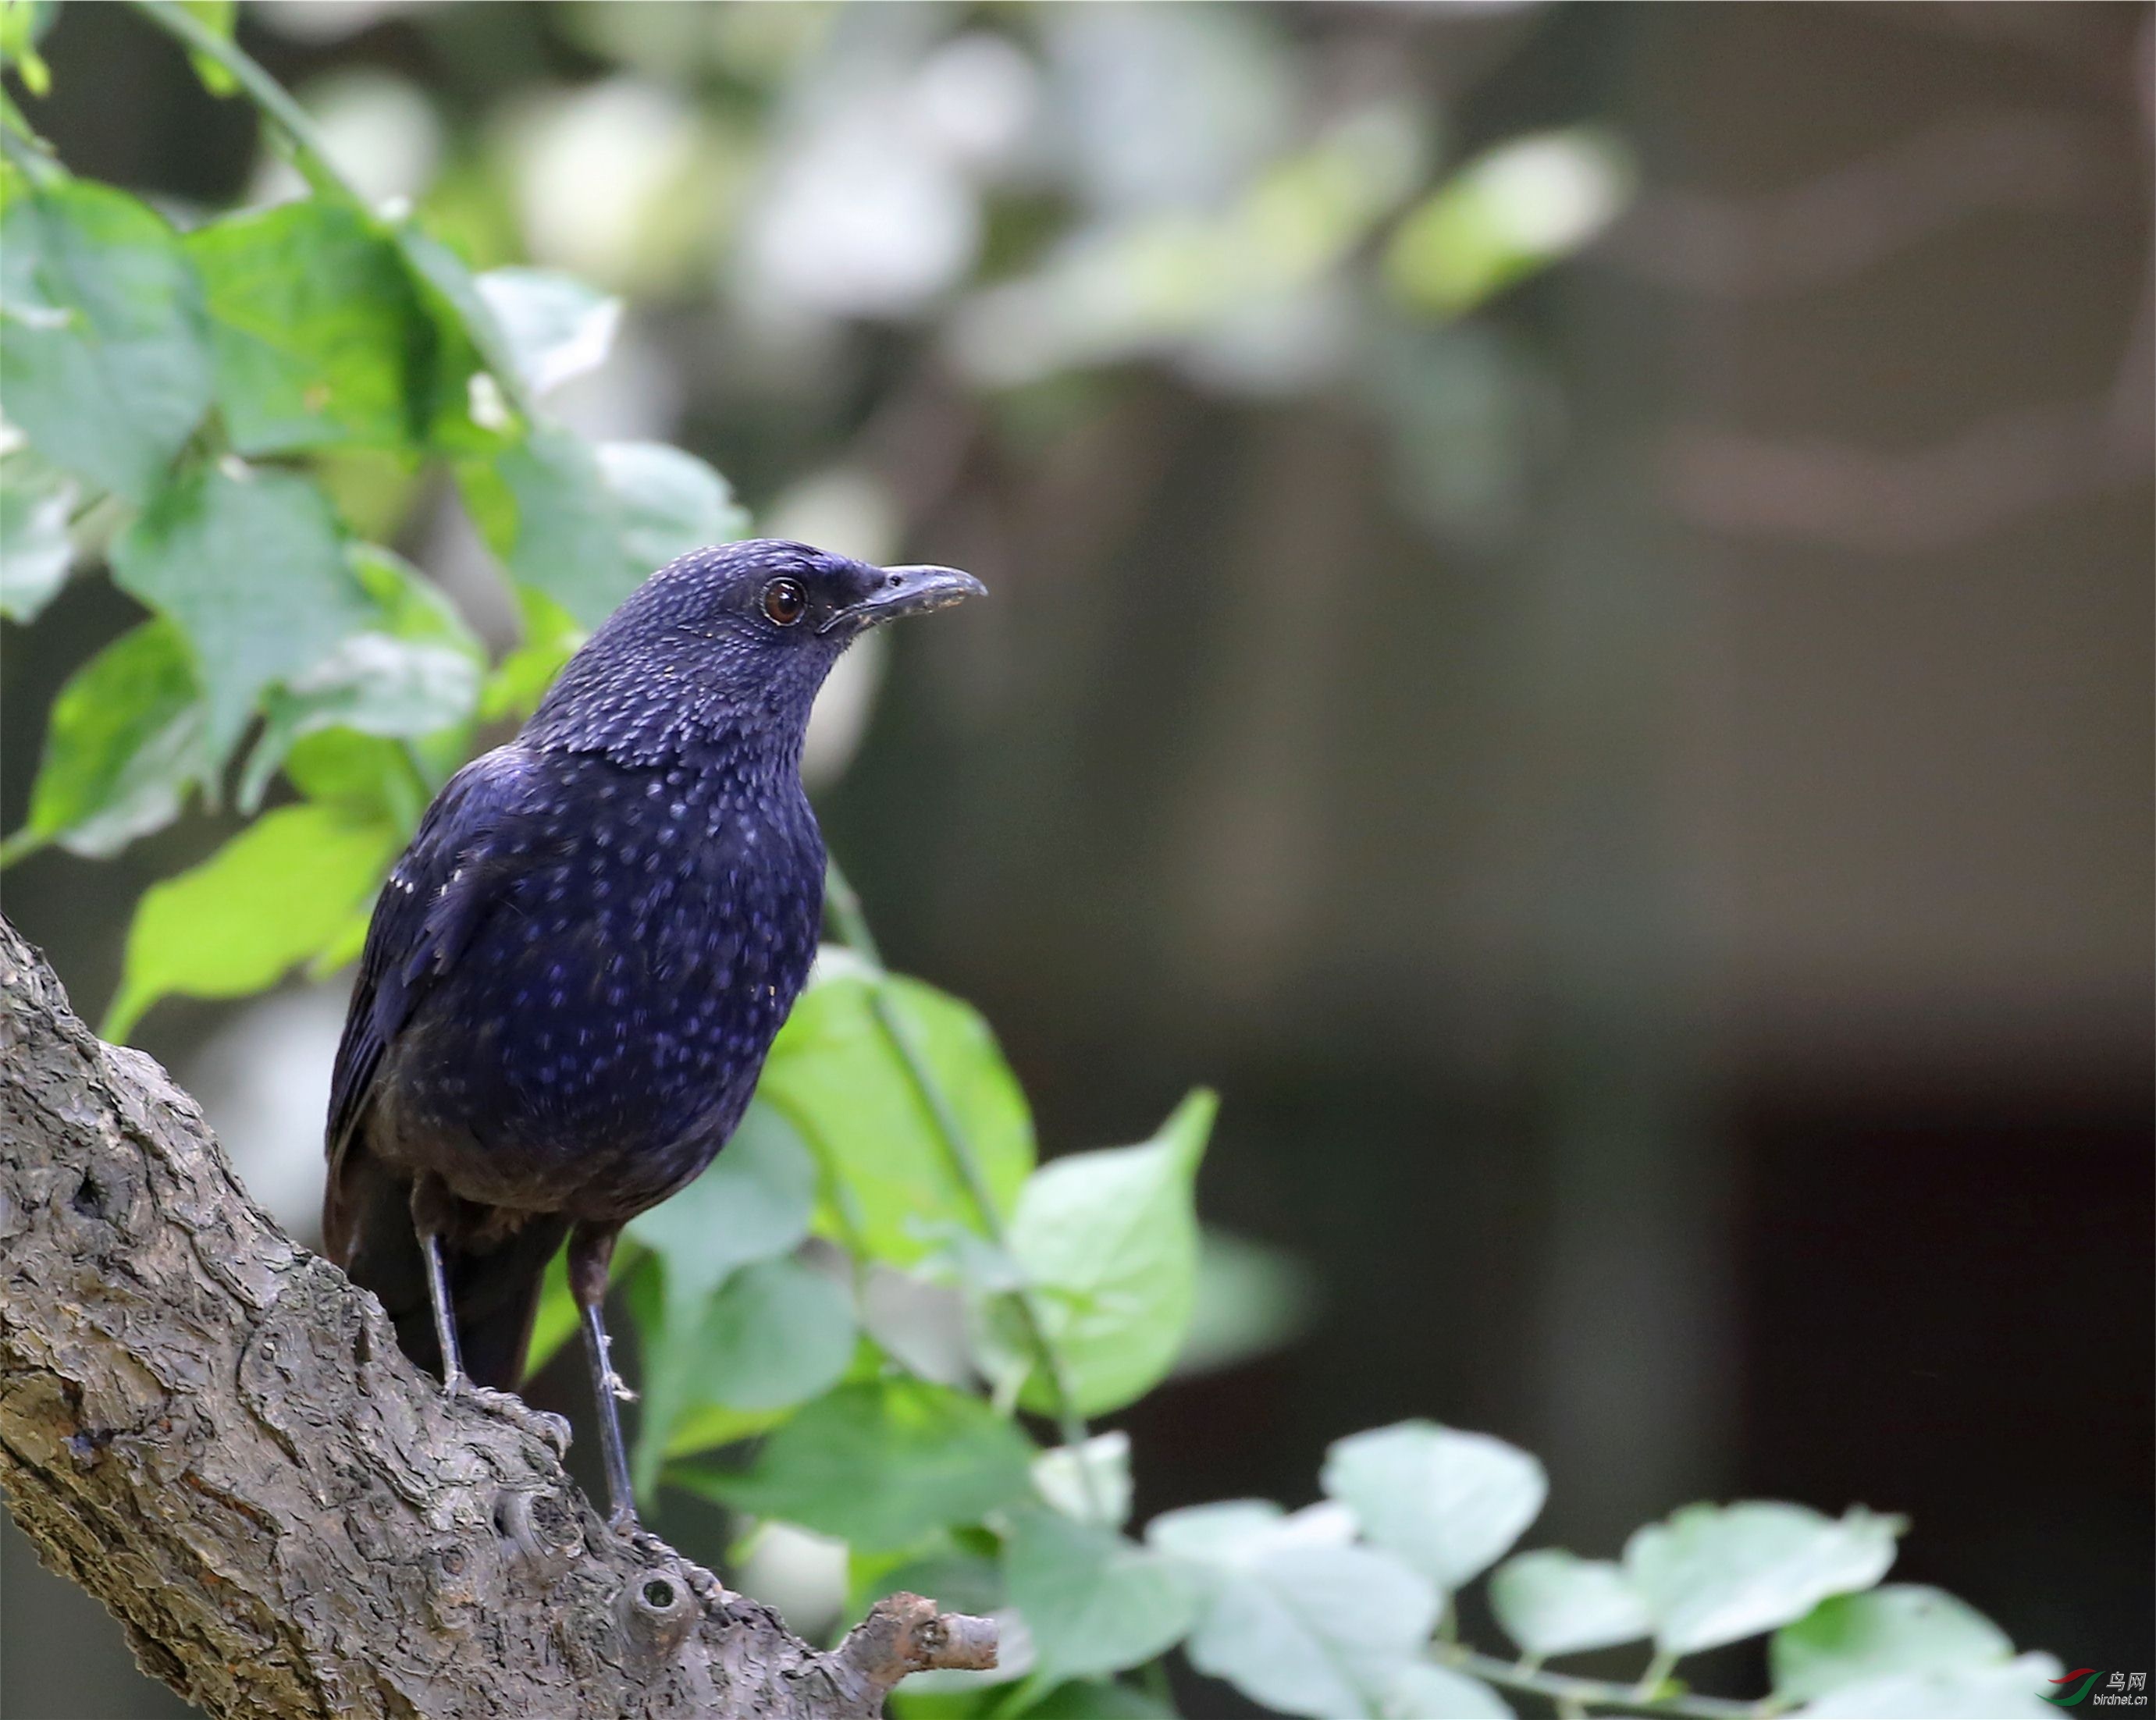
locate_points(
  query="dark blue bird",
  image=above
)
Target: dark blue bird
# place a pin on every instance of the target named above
(575, 971)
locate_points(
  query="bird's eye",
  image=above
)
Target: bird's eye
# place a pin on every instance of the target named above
(784, 601)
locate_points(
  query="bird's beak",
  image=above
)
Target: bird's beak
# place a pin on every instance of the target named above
(907, 591)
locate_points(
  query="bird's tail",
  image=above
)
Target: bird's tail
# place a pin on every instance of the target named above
(493, 1291)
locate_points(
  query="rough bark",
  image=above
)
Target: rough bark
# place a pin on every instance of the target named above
(213, 1431)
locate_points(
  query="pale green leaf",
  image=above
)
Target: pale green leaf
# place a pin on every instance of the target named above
(123, 742)
(1449, 1503)
(1427, 1691)
(555, 325)
(35, 549)
(879, 1465)
(1713, 1574)
(1093, 1602)
(1090, 1482)
(2013, 1691)
(1109, 1241)
(667, 502)
(251, 565)
(1551, 1603)
(106, 364)
(1903, 1627)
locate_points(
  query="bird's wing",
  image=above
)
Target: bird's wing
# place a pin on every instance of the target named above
(436, 899)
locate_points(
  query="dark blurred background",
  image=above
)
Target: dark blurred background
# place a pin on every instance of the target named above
(1636, 785)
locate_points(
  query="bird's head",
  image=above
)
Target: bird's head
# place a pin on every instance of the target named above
(743, 633)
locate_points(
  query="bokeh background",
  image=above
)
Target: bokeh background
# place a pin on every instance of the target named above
(1602, 697)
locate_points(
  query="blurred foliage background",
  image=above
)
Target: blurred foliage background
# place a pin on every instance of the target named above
(1570, 629)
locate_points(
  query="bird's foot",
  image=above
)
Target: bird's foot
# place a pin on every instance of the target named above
(542, 1424)
(623, 1391)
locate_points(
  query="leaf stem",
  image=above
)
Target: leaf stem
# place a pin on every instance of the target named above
(845, 908)
(310, 149)
(1570, 1694)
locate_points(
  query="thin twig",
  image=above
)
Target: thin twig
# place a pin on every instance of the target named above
(1584, 1694)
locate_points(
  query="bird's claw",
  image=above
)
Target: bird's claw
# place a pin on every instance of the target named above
(623, 1391)
(541, 1424)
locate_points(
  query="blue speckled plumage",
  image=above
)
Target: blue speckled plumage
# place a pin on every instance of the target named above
(576, 970)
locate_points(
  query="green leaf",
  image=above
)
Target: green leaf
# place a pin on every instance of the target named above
(1303, 1625)
(586, 525)
(371, 683)
(1904, 1627)
(1096, 1699)
(1250, 1297)
(1523, 206)
(543, 507)
(317, 327)
(521, 679)
(23, 25)
(1427, 1691)
(880, 1464)
(106, 366)
(2008, 1693)
(753, 1203)
(668, 503)
(1551, 1603)
(1109, 1241)
(263, 902)
(1449, 1503)
(35, 549)
(248, 562)
(1713, 1575)
(363, 773)
(556, 327)
(1094, 1601)
(469, 336)
(1090, 1482)
(122, 744)
(778, 1333)
(834, 1074)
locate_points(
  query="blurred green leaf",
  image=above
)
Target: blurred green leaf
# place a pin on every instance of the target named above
(1308, 1627)
(1250, 1297)
(1551, 1603)
(754, 1203)
(1093, 1601)
(543, 507)
(35, 549)
(879, 1465)
(106, 366)
(317, 328)
(250, 563)
(778, 1333)
(1449, 1503)
(2013, 1691)
(1427, 1691)
(1526, 204)
(585, 525)
(363, 773)
(1097, 1699)
(668, 502)
(1903, 1627)
(556, 327)
(123, 742)
(1713, 1574)
(521, 679)
(835, 1076)
(1109, 1241)
(263, 903)
(1090, 1482)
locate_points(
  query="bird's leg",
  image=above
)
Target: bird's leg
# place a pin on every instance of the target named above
(591, 1252)
(433, 1208)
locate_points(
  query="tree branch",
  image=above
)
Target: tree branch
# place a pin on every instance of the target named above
(213, 1431)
